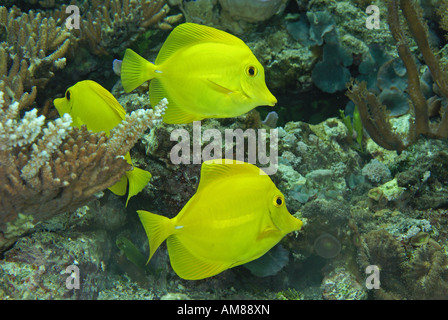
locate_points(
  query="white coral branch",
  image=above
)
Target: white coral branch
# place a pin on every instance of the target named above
(14, 133)
(53, 135)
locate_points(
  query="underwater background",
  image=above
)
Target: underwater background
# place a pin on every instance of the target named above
(362, 124)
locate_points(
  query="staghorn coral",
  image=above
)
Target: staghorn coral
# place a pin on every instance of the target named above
(109, 27)
(53, 168)
(34, 47)
(36, 44)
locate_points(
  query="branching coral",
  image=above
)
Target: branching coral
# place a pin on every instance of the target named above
(52, 168)
(34, 47)
(110, 26)
(373, 113)
(36, 44)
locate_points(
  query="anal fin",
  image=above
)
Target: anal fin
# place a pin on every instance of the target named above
(189, 267)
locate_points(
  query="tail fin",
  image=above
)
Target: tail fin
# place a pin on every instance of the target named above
(138, 179)
(135, 70)
(157, 228)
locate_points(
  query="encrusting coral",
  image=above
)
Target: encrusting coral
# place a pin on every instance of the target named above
(46, 169)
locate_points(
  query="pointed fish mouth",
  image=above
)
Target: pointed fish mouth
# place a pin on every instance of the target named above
(271, 100)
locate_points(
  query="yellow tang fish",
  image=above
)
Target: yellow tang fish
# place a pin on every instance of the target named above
(203, 72)
(236, 216)
(89, 103)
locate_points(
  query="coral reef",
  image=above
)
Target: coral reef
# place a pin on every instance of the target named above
(423, 276)
(361, 205)
(252, 11)
(109, 27)
(381, 249)
(36, 268)
(376, 171)
(53, 168)
(428, 274)
(342, 285)
(37, 44)
(423, 175)
(33, 49)
(331, 73)
(373, 112)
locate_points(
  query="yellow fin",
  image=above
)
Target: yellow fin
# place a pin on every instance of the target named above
(219, 87)
(157, 228)
(106, 95)
(173, 114)
(135, 70)
(187, 266)
(138, 179)
(188, 34)
(119, 188)
(268, 233)
(213, 170)
(62, 105)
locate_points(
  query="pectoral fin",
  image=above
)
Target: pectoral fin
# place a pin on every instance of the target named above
(217, 87)
(268, 233)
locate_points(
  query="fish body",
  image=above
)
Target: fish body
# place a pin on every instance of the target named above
(236, 216)
(203, 72)
(90, 104)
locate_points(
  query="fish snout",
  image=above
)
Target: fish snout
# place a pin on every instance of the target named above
(270, 99)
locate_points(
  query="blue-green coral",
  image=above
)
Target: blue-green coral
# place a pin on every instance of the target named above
(331, 73)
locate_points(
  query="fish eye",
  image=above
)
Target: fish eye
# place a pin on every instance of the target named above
(67, 94)
(278, 201)
(251, 71)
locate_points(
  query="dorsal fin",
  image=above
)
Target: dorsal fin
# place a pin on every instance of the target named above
(188, 34)
(213, 170)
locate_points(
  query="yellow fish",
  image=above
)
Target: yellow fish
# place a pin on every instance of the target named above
(236, 216)
(89, 103)
(203, 72)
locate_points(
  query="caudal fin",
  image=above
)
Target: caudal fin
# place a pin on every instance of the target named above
(157, 228)
(135, 70)
(138, 179)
